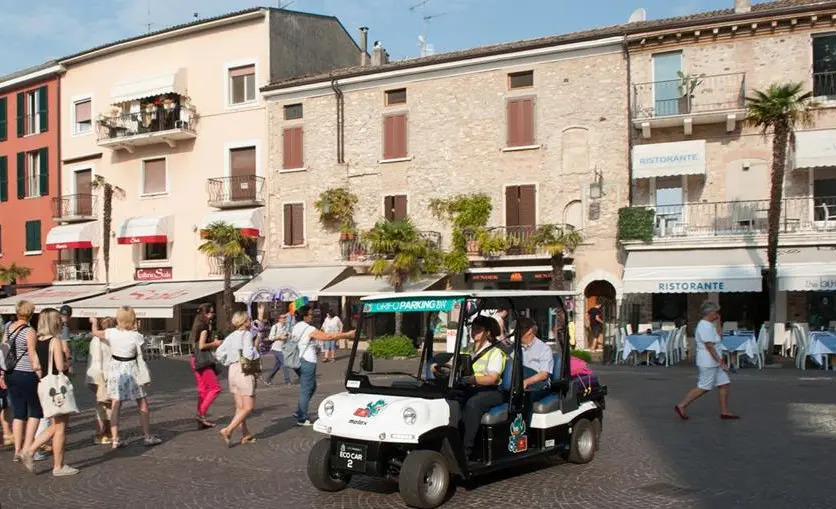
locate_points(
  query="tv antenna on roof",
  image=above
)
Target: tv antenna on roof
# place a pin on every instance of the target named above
(638, 15)
(148, 25)
(419, 4)
(285, 5)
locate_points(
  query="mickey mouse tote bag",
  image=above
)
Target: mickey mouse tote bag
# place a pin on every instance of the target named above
(56, 391)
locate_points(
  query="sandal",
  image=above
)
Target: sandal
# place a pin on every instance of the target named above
(729, 417)
(681, 413)
(225, 438)
(202, 423)
(247, 439)
(117, 444)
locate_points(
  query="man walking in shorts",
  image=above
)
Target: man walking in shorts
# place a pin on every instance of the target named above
(712, 369)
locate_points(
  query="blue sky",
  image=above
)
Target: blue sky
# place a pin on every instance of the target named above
(37, 30)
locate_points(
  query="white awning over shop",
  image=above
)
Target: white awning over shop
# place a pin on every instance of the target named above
(288, 283)
(152, 300)
(361, 286)
(249, 221)
(73, 236)
(52, 296)
(804, 269)
(694, 271)
(145, 230)
(815, 148)
(169, 83)
(669, 159)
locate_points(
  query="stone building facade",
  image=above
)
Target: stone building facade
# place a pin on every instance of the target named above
(457, 141)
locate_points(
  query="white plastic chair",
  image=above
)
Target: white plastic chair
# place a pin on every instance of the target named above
(802, 341)
(620, 338)
(153, 347)
(829, 214)
(671, 347)
(171, 342)
(729, 326)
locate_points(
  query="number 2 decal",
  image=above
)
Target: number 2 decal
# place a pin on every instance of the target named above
(350, 463)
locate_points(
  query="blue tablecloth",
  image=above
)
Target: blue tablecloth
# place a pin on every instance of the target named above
(642, 343)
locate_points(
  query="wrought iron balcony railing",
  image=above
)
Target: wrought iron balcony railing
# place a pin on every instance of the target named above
(824, 84)
(74, 206)
(357, 249)
(238, 191)
(720, 92)
(246, 269)
(798, 214)
(127, 125)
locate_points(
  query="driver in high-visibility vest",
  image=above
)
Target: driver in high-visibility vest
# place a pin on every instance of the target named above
(488, 363)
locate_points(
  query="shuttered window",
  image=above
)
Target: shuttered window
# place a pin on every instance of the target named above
(154, 180)
(292, 152)
(83, 116)
(32, 112)
(33, 173)
(242, 84)
(521, 122)
(523, 79)
(395, 207)
(33, 236)
(394, 136)
(293, 111)
(520, 207)
(4, 178)
(4, 118)
(397, 96)
(294, 224)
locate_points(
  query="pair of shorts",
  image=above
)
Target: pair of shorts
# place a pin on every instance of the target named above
(239, 383)
(710, 378)
(329, 346)
(23, 395)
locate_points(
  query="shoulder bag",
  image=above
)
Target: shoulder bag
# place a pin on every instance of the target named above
(143, 376)
(249, 366)
(55, 392)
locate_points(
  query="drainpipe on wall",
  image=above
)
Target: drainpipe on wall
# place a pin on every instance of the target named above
(58, 165)
(629, 126)
(340, 103)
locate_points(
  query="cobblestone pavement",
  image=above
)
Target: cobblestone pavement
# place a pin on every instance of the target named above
(781, 454)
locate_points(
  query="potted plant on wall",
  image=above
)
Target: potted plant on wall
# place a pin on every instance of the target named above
(688, 83)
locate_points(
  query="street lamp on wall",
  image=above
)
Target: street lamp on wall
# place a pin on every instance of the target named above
(596, 187)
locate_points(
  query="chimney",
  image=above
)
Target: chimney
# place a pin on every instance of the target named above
(364, 46)
(742, 6)
(379, 55)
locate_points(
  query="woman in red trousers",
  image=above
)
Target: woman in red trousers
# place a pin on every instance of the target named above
(207, 381)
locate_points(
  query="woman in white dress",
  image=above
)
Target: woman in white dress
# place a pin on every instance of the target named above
(122, 385)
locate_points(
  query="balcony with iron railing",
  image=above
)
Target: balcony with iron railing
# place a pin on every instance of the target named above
(824, 85)
(513, 241)
(805, 215)
(719, 98)
(356, 249)
(251, 268)
(160, 124)
(74, 207)
(236, 192)
(70, 270)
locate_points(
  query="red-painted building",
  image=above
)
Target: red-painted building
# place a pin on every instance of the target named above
(29, 169)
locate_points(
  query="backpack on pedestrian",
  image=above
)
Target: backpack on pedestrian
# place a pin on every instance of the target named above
(8, 349)
(292, 352)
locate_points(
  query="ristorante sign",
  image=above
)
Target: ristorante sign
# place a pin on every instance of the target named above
(153, 274)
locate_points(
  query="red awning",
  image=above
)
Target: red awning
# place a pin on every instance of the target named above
(145, 230)
(73, 236)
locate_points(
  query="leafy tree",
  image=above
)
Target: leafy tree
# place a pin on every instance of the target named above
(401, 254)
(226, 242)
(779, 109)
(14, 273)
(557, 241)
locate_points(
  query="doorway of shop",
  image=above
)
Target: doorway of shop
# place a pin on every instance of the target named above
(603, 293)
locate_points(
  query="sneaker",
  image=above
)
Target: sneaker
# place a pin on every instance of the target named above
(105, 440)
(152, 440)
(16, 459)
(304, 423)
(39, 456)
(266, 382)
(64, 471)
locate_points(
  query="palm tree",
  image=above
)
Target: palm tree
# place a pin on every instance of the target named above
(557, 241)
(225, 241)
(13, 273)
(108, 191)
(401, 254)
(781, 108)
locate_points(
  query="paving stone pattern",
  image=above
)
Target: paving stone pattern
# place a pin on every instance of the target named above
(780, 455)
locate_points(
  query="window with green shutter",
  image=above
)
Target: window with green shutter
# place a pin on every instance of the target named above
(4, 111)
(43, 108)
(21, 112)
(4, 178)
(21, 175)
(33, 236)
(43, 173)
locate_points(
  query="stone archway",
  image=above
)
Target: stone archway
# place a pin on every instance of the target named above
(600, 277)
(601, 292)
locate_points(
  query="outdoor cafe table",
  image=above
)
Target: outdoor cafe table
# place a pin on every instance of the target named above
(640, 343)
(738, 342)
(822, 346)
